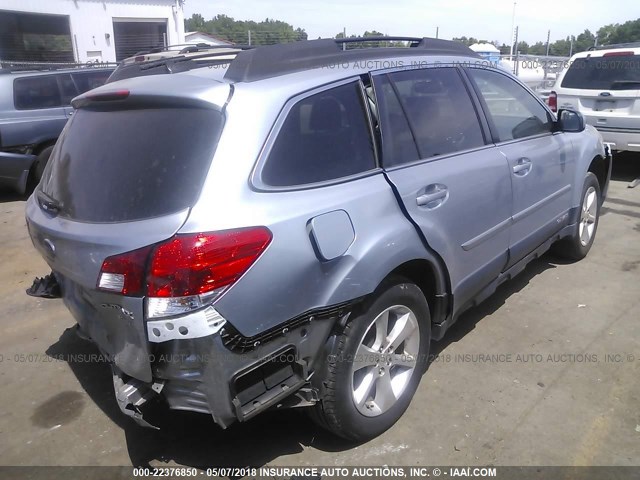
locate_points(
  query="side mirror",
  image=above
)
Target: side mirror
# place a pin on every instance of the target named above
(570, 121)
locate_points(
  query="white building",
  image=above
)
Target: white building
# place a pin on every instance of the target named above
(195, 38)
(87, 30)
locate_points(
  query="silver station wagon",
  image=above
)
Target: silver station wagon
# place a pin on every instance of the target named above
(293, 228)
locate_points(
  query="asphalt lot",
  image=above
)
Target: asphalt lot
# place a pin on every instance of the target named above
(545, 372)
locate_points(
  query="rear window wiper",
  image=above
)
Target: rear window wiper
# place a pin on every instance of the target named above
(48, 203)
(622, 84)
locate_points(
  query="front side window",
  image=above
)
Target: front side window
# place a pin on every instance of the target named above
(514, 111)
(324, 137)
(31, 93)
(86, 81)
(68, 88)
(440, 114)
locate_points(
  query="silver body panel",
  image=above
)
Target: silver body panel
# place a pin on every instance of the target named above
(332, 243)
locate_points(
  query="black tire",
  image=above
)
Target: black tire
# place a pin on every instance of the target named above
(40, 164)
(336, 411)
(573, 248)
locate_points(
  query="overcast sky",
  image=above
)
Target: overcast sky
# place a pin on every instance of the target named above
(487, 19)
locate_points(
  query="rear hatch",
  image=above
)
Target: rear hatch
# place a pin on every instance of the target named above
(605, 88)
(123, 175)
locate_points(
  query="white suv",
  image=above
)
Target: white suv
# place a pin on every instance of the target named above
(604, 85)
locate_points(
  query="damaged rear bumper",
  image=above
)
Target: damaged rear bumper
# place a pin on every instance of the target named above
(199, 362)
(203, 375)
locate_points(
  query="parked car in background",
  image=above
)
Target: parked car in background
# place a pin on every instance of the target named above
(296, 232)
(34, 108)
(604, 85)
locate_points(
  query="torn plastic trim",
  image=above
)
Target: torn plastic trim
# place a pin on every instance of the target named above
(45, 287)
(133, 394)
(194, 325)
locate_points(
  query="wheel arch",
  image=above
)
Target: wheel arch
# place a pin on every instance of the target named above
(432, 281)
(600, 167)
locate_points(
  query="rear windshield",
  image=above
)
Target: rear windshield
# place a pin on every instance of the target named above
(114, 166)
(616, 72)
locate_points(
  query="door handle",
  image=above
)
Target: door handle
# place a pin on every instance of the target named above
(433, 197)
(523, 167)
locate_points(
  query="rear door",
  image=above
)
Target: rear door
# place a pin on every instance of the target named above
(541, 162)
(605, 88)
(454, 184)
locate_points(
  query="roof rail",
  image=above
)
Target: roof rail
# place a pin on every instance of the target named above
(189, 48)
(378, 39)
(201, 47)
(616, 45)
(12, 67)
(274, 60)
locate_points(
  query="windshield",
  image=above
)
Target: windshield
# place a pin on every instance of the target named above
(123, 165)
(616, 72)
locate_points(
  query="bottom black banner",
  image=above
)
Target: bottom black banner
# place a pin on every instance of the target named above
(321, 473)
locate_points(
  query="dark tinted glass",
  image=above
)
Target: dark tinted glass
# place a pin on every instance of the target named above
(68, 88)
(86, 81)
(515, 112)
(36, 92)
(398, 145)
(440, 112)
(325, 136)
(619, 72)
(111, 166)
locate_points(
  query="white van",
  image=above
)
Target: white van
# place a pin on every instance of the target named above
(604, 85)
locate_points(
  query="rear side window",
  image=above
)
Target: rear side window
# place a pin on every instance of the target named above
(86, 81)
(514, 111)
(614, 72)
(114, 166)
(36, 92)
(324, 137)
(441, 116)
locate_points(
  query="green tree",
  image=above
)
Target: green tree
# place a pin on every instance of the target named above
(616, 33)
(194, 24)
(538, 48)
(266, 32)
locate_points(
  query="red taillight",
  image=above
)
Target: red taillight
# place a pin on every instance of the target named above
(186, 264)
(125, 273)
(552, 101)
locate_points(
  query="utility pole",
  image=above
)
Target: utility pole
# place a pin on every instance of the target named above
(513, 22)
(249, 37)
(571, 46)
(437, 31)
(344, 37)
(548, 40)
(517, 67)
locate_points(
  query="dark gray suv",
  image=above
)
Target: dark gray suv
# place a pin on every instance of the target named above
(294, 229)
(34, 107)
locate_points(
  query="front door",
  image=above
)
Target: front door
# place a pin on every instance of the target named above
(541, 162)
